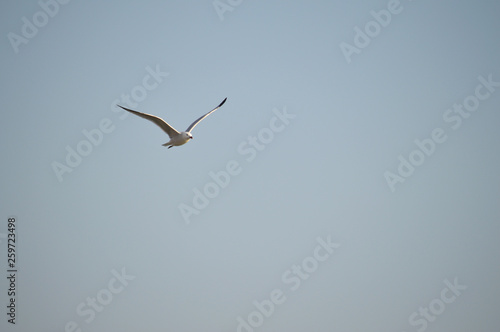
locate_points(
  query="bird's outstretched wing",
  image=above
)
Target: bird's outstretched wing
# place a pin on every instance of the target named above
(156, 120)
(191, 127)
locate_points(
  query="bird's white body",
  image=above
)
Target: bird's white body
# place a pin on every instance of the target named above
(176, 138)
(180, 139)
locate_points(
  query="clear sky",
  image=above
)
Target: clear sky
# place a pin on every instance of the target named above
(349, 183)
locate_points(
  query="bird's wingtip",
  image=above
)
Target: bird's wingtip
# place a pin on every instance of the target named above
(126, 109)
(223, 102)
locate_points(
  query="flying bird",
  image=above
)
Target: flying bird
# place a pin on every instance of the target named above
(176, 138)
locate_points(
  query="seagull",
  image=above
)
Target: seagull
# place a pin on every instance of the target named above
(176, 138)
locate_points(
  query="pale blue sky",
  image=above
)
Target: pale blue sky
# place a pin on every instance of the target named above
(320, 175)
